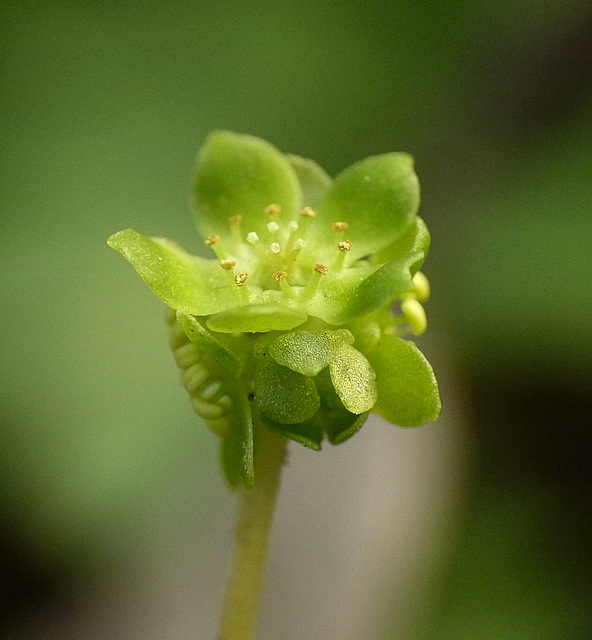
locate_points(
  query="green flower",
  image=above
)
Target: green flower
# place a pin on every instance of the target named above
(289, 324)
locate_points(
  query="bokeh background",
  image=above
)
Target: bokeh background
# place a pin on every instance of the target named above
(114, 520)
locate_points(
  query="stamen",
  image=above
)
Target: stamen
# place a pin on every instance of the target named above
(293, 227)
(298, 246)
(273, 211)
(306, 214)
(282, 278)
(227, 265)
(343, 246)
(214, 242)
(320, 270)
(273, 227)
(240, 280)
(275, 247)
(339, 226)
(253, 240)
(235, 228)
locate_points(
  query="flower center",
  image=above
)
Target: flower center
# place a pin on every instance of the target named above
(280, 259)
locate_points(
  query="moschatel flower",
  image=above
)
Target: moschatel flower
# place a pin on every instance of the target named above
(289, 325)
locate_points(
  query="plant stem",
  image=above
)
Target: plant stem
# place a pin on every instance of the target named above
(241, 605)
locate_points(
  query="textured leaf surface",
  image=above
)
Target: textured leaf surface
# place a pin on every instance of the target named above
(407, 389)
(308, 352)
(283, 395)
(353, 379)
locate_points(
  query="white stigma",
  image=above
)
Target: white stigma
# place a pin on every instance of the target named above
(252, 238)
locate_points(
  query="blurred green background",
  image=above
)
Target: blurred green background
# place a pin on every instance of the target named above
(102, 463)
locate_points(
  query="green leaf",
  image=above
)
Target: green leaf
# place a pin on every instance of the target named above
(195, 285)
(407, 389)
(353, 379)
(241, 175)
(309, 433)
(237, 447)
(308, 352)
(256, 318)
(314, 181)
(378, 197)
(283, 395)
(355, 292)
(338, 423)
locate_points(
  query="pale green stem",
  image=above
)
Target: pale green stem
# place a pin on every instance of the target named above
(241, 605)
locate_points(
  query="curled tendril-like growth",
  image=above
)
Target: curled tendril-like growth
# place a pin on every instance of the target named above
(289, 324)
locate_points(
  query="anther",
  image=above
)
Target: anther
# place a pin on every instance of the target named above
(273, 227)
(252, 238)
(240, 279)
(275, 247)
(344, 245)
(339, 226)
(227, 265)
(211, 240)
(273, 211)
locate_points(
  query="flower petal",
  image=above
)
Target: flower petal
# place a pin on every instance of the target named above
(416, 239)
(283, 395)
(407, 388)
(314, 180)
(355, 292)
(307, 352)
(378, 197)
(353, 379)
(195, 285)
(241, 175)
(256, 318)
